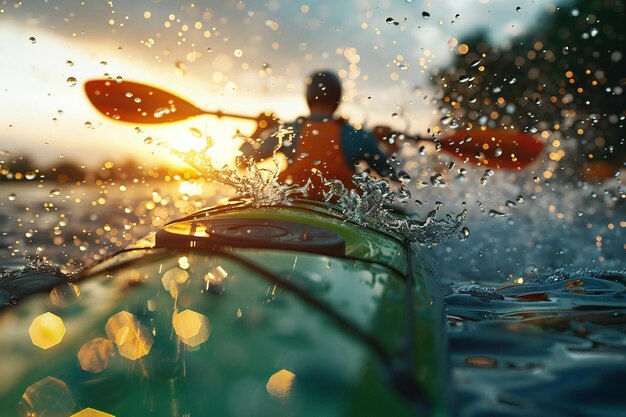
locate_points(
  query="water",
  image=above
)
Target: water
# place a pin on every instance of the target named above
(531, 261)
(536, 296)
(371, 206)
(76, 225)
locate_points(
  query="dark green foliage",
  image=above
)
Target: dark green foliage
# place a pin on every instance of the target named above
(565, 74)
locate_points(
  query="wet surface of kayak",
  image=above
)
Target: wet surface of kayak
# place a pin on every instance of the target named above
(236, 311)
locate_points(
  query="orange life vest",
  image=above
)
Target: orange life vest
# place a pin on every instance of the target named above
(319, 150)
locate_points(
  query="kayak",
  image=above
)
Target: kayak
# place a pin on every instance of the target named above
(236, 311)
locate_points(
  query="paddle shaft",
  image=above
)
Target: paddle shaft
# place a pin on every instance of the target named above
(221, 114)
(132, 102)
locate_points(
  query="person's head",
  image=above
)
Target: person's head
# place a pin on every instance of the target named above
(323, 92)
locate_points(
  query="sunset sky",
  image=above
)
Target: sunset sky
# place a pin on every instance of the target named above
(240, 56)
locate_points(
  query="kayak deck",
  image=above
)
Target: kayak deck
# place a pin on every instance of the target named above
(223, 330)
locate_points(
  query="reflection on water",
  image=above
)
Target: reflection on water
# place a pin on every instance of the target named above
(85, 223)
(553, 345)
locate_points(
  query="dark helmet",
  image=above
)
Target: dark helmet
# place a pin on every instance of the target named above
(323, 88)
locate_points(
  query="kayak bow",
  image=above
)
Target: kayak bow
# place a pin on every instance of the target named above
(286, 310)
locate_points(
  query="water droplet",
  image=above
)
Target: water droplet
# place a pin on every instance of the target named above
(437, 181)
(445, 120)
(463, 78)
(510, 204)
(71, 81)
(496, 213)
(579, 213)
(238, 53)
(163, 111)
(69, 63)
(32, 39)
(512, 80)
(119, 79)
(422, 150)
(403, 176)
(489, 172)
(54, 192)
(128, 94)
(519, 199)
(88, 124)
(425, 15)
(465, 232)
(517, 9)
(12, 197)
(497, 152)
(195, 132)
(475, 63)
(403, 193)
(148, 140)
(30, 175)
(103, 63)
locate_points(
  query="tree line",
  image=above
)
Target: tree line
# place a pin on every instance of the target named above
(25, 169)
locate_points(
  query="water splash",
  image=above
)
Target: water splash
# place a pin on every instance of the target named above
(257, 186)
(20, 278)
(371, 204)
(373, 207)
(618, 276)
(483, 293)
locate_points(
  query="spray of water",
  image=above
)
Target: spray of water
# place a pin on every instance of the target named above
(22, 277)
(256, 186)
(371, 203)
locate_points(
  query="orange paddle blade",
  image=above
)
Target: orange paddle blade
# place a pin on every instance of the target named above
(494, 148)
(128, 101)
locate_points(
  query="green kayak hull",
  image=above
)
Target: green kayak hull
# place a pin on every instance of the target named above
(235, 311)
